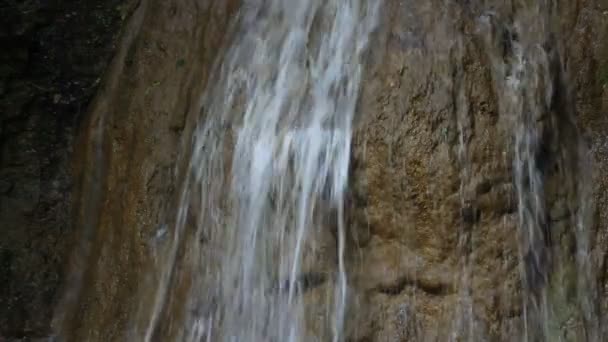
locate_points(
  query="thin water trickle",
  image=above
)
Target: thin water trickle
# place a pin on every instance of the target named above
(273, 142)
(533, 99)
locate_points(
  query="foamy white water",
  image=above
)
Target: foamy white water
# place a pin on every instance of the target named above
(273, 142)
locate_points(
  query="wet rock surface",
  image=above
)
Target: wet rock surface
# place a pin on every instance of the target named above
(53, 57)
(432, 220)
(433, 171)
(129, 157)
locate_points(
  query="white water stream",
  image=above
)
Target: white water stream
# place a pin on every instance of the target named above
(273, 141)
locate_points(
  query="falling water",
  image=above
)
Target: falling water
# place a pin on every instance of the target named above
(272, 144)
(533, 97)
(267, 171)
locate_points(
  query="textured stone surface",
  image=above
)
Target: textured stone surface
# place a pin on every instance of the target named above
(128, 161)
(48, 74)
(427, 203)
(432, 192)
(424, 190)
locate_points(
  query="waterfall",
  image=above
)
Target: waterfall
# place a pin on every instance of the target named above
(268, 173)
(554, 249)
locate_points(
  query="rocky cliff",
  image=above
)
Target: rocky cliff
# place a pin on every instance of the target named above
(438, 173)
(53, 57)
(435, 198)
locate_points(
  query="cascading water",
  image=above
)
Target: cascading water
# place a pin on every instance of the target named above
(554, 253)
(257, 252)
(274, 142)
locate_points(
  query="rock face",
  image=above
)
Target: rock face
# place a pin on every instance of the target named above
(48, 74)
(435, 252)
(434, 249)
(128, 161)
